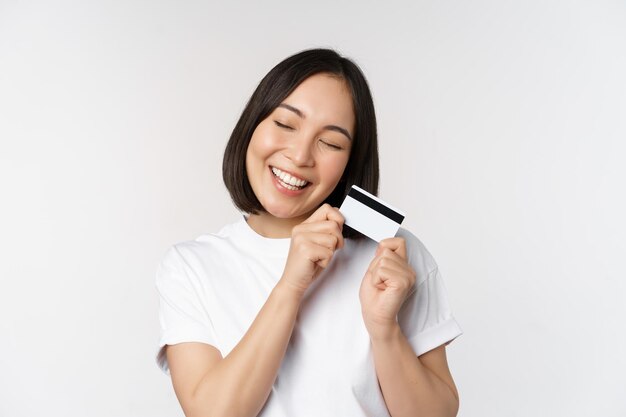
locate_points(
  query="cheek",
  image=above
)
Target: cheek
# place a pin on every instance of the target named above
(262, 145)
(334, 168)
(258, 148)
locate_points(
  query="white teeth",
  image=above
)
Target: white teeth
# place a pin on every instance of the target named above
(290, 182)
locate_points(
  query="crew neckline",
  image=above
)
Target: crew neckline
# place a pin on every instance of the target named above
(276, 245)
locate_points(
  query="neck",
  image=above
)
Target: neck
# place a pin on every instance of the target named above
(273, 227)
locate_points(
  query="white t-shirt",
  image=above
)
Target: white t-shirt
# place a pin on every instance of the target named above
(212, 288)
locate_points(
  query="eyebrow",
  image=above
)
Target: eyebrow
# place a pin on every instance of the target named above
(327, 127)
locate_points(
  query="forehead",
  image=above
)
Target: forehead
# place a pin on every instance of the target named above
(324, 97)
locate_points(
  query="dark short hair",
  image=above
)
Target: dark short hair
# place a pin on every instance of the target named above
(362, 166)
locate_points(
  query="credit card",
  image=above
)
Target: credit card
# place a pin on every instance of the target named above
(370, 215)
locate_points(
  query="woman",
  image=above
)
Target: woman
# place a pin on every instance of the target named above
(285, 313)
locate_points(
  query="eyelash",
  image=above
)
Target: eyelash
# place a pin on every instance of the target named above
(330, 145)
(279, 124)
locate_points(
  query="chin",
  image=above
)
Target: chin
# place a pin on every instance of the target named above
(282, 211)
(284, 214)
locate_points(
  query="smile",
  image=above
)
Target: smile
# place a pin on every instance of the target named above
(289, 181)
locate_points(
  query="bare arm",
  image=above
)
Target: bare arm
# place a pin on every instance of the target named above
(239, 384)
(414, 385)
(410, 385)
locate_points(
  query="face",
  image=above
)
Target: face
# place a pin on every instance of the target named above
(297, 155)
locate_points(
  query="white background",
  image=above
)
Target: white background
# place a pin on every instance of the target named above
(502, 134)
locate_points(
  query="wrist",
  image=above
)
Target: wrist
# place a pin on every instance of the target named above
(384, 332)
(289, 290)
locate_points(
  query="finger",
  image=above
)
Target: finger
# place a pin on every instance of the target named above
(326, 226)
(390, 265)
(387, 256)
(318, 215)
(326, 240)
(396, 244)
(376, 279)
(373, 280)
(393, 262)
(326, 212)
(392, 277)
(386, 253)
(319, 254)
(325, 259)
(335, 215)
(329, 241)
(321, 226)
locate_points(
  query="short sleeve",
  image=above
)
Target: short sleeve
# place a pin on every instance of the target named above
(182, 315)
(426, 317)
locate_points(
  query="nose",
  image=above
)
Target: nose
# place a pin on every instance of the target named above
(300, 152)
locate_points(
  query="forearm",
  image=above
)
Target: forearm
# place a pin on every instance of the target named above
(240, 383)
(409, 388)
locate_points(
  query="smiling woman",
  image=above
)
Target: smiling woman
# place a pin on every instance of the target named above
(283, 312)
(271, 97)
(298, 154)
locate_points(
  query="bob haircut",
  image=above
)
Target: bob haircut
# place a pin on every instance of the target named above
(362, 167)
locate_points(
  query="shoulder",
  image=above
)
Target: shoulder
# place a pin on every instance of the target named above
(187, 256)
(418, 255)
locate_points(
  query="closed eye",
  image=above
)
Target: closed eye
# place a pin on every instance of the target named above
(331, 145)
(279, 124)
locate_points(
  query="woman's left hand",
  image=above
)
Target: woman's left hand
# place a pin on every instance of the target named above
(385, 286)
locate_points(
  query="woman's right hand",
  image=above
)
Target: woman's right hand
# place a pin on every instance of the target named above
(313, 243)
